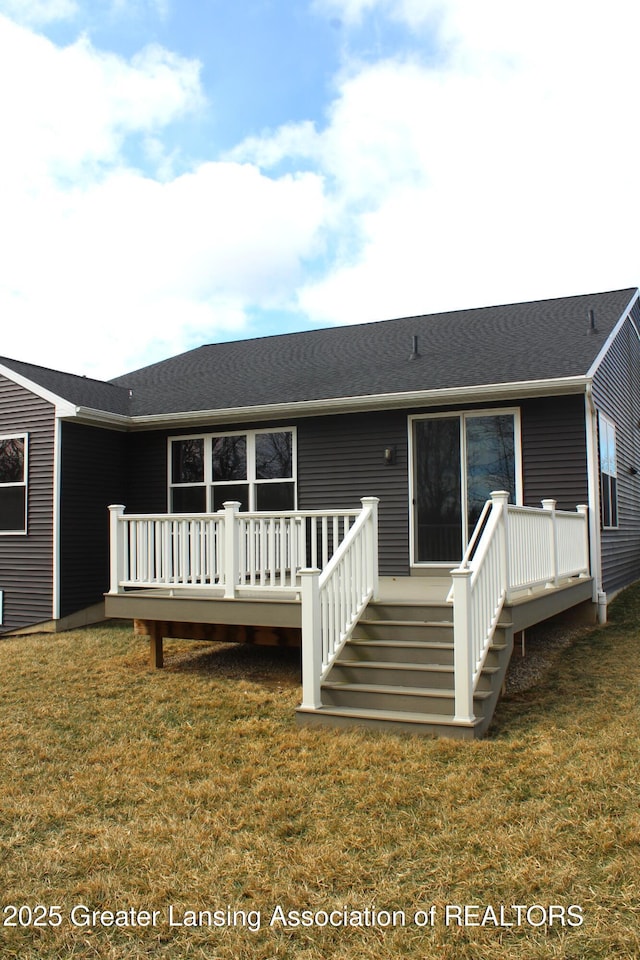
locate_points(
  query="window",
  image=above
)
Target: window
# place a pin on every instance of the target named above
(256, 468)
(608, 472)
(13, 484)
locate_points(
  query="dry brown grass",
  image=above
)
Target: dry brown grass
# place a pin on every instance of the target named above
(125, 788)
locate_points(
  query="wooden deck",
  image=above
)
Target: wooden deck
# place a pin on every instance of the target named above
(426, 653)
(395, 673)
(255, 608)
(207, 615)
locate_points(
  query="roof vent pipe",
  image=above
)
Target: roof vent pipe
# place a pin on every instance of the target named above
(414, 348)
(592, 322)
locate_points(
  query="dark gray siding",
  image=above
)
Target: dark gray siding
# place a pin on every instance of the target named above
(341, 459)
(616, 391)
(26, 561)
(146, 490)
(554, 451)
(93, 476)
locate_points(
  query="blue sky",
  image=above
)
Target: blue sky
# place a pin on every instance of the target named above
(176, 172)
(249, 53)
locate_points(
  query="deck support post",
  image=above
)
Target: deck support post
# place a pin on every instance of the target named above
(156, 652)
(463, 667)
(231, 548)
(550, 505)
(311, 639)
(116, 510)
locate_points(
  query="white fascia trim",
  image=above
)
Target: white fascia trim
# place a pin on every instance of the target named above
(614, 333)
(388, 401)
(89, 415)
(62, 406)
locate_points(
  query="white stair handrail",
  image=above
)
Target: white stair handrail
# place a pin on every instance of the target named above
(479, 591)
(334, 599)
(514, 549)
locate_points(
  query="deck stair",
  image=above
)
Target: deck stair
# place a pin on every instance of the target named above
(396, 672)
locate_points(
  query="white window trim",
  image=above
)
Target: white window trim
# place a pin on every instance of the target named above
(606, 426)
(461, 415)
(23, 483)
(252, 481)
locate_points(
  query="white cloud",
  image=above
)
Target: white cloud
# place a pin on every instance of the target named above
(292, 141)
(350, 11)
(501, 170)
(39, 12)
(104, 264)
(138, 266)
(132, 7)
(72, 108)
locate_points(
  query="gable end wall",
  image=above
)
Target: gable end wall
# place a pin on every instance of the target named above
(616, 392)
(26, 561)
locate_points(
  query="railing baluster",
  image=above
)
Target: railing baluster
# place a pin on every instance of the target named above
(325, 542)
(191, 552)
(248, 560)
(281, 553)
(293, 540)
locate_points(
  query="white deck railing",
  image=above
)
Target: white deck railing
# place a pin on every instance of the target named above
(333, 600)
(330, 558)
(513, 550)
(235, 552)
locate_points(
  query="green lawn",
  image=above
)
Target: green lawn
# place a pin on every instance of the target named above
(130, 792)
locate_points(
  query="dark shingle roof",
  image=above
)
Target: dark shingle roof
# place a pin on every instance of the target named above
(464, 348)
(513, 343)
(82, 391)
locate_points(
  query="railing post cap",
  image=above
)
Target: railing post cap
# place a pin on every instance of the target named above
(370, 500)
(309, 572)
(582, 508)
(232, 505)
(116, 507)
(500, 495)
(461, 572)
(549, 504)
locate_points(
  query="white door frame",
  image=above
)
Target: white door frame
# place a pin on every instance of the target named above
(462, 416)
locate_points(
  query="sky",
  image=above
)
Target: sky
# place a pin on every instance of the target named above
(180, 172)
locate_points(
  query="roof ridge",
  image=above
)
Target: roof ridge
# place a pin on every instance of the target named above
(416, 316)
(328, 327)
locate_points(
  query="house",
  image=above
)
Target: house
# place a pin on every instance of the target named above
(368, 452)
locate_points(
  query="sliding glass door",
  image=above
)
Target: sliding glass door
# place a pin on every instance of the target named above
(438, 489)
(458, 460)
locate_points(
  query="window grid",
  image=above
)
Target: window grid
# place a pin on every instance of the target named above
(608, 472)
(217, 453)
(13, 483)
